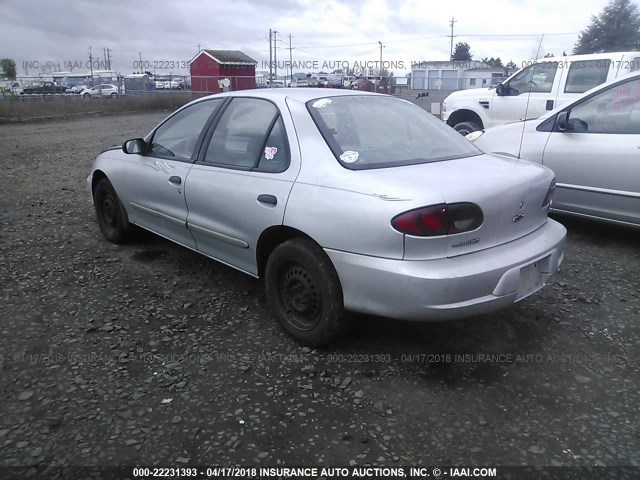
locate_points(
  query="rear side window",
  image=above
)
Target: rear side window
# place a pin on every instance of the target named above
(583, 75)
(275, 154)
(371, 131)
(249, 136)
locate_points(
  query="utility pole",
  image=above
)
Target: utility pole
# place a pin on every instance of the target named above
(104, 58)
(108, 59)
(379, 68)
(199, 49)
(91, 64)
(275, 53)
(140, 55)
(270, 60)
(290, 61)
(452, 21)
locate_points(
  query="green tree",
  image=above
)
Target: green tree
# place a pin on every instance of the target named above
(511, 64)
(617, 28)
(462, 51)
(8, 67)
(492, 62)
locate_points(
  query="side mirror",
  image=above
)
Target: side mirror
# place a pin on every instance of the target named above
(501, 90)
(563, 121)
(133, 146)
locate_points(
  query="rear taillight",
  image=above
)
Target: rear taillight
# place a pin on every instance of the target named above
(549, 197)
(441, 219)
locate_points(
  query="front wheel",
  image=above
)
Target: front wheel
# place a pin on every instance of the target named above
(465, 128)
(114, 94)
(110, 213)
(304, 291)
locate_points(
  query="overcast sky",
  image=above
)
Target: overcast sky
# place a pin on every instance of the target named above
(162, 31)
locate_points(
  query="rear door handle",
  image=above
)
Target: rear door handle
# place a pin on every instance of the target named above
(268, 199)
(549, 105)
(175, 180)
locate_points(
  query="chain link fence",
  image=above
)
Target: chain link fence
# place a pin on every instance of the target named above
(57, 96)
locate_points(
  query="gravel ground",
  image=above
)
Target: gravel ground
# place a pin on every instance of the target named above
(150, 354)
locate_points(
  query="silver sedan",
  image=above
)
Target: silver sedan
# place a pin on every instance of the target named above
(592, 145)
(342, 201)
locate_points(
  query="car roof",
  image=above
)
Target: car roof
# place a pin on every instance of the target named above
(301, 94)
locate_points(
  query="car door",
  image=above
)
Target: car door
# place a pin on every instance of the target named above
(240, 184)
(597, 158)
(528, 94)
(155, 181)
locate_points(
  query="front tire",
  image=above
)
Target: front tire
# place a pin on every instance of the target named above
(304, 292)
(110, 213)
(465, 128)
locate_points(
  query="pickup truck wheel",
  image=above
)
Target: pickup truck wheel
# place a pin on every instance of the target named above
(465, 128)
(304, 292)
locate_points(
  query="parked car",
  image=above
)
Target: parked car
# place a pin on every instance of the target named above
(160, 84)
(105, 89)
(592, 145)
(43, 88)
(337, 210)
(539, 87)
(76, 89)
(173, 85)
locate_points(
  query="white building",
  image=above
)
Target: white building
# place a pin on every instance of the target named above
(455, 75)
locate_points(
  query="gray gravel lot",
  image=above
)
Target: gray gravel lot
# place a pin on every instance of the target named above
(151, 354)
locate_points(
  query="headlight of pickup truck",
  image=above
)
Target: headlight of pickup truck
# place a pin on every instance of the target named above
(473, 136)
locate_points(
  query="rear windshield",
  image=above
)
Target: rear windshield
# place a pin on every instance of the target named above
(371, 131)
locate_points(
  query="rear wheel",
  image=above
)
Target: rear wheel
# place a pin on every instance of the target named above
(114, 94)
(304, 291)
(465, 128)
(110, 213)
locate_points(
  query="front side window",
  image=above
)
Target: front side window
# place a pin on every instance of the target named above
(249, 136)
(583, 75)
(536, 78)
(614, 111)
(177, 137)
(367, 131)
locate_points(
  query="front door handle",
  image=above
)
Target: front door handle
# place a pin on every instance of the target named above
(175, 180)
(268, 199)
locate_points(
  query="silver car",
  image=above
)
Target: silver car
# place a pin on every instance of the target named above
(342, 201)
(592, 145)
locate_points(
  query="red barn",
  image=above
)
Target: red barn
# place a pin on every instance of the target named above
(210, 68)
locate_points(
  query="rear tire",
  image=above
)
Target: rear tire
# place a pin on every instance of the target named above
(465, 128)
(110, 213)
(304, 292)
(113, 95)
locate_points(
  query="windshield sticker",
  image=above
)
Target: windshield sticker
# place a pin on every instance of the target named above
(323, 102)
(349, 156)
(270, 152)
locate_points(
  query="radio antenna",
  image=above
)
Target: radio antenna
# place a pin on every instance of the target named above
(526, 110)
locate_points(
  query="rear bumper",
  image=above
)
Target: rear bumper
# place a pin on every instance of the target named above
(451, 288)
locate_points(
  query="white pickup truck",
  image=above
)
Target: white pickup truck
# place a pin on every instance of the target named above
(541, 85)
